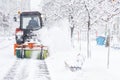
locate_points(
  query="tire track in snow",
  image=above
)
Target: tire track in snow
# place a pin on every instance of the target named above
(41, 71)
(21, 73)
(28, 69)
(12, 72)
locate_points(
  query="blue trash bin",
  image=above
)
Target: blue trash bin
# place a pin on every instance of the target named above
(100, 40)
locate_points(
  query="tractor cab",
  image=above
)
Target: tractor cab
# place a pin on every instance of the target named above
(30, 24)
(30, 20)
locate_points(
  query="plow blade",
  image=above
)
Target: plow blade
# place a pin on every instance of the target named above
(26, 51)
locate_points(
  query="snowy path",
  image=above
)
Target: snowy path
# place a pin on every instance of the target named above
(28, 69)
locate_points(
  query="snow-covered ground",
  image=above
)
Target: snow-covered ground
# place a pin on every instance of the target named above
(6, 55)
(19, 69)
(62, 57)
(62, 52)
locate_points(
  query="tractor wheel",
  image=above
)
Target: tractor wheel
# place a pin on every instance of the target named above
(20, 53)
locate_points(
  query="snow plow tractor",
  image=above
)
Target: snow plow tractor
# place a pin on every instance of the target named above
(27, 37)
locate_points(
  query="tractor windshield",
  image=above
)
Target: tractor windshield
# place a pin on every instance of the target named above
(31, 22)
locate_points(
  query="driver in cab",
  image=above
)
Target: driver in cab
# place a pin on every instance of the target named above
(32, 23)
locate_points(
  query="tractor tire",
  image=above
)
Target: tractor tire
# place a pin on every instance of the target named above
(20, 53)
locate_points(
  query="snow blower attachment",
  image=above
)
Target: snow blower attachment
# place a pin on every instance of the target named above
(27, 37)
